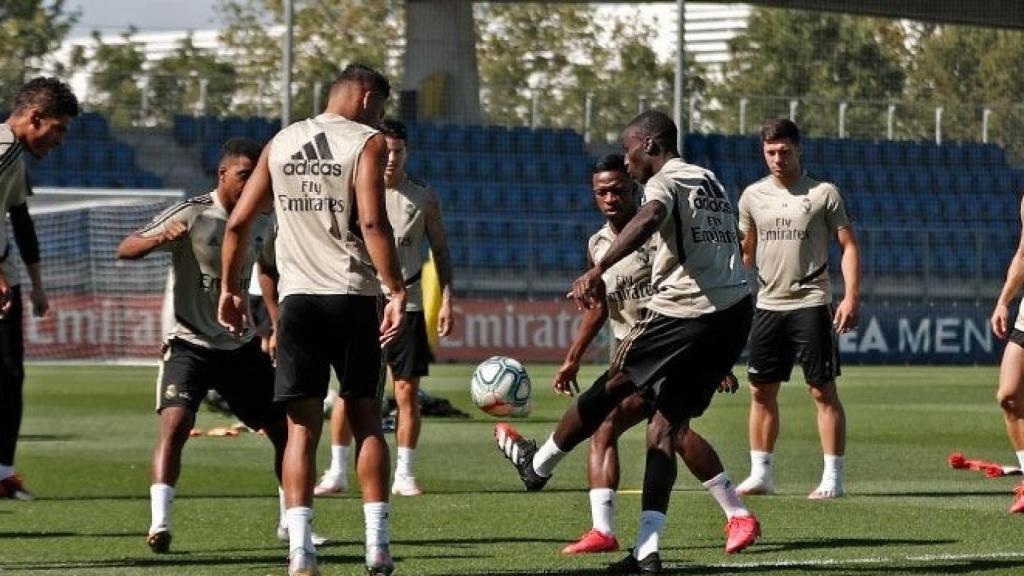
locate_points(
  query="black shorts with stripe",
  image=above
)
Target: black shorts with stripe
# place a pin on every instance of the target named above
(244, 377)
(1017, 337)
(409, 354)
(778, 339)
(318, 332)
(681, 361)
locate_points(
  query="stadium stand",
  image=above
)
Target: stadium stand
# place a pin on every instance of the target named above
(91, 158)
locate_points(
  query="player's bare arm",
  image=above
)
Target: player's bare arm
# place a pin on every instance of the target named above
(136, 246)
(438, 239)
(377, 233)
(593, 319)
(267, 279)
(748, 246)
(1014, 280)
(233, 309)
(847, 312)
(639, 229)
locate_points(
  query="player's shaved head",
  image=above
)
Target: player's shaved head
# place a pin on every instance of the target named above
(658, 128)
(240, 148)
(364, 77)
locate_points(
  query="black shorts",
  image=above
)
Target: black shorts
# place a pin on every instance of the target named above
(1017, 337)
(244, 377)
(778, 339)
(409, 355)
(318, 332)
(681, 361)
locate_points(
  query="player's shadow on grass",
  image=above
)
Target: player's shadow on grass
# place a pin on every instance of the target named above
(468, 542)
(995, 491)
(773, 546)
(145, 496)
(47, 437)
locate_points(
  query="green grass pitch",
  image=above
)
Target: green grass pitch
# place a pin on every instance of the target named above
(88, 432)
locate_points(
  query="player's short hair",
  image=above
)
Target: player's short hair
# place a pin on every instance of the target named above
(610, 163)
(780, 129)
(239, 147)
(394, 129)
(49, 95)
(658, 127)
(366, 76)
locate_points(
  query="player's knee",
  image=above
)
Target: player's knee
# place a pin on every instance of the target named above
(764, 395)
(1009, 403)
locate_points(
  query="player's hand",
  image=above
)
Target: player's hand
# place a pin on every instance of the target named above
(233, 312)
(40, 303)
(174, 230)
(6, 296)
(565, 379)
(445, 320)
(394, 319)
(585, 289)
(1000, 320)
(845, 319)
(729, 384)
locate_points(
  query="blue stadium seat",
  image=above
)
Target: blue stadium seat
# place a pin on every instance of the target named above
(872, 154)
(975, 155)
(965, 183)
(578, 168)
(830, 151)
(856, 181)
(186, 131)
(913, 153)
(717, 152)
(933, 154)
(695, 149)
(921, 181)
(878, 181)
(523, 140)
(891, 153)
(944, 181)
(953, 154)
(994, 155)
(457, 138)
(852, 152)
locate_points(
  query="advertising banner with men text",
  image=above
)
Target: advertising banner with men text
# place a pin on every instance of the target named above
(89, 327)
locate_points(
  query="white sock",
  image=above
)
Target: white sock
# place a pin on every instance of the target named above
(404, 462)
(1020, 458)
(651, 523)
(833, 471)
(760, 464)
(300, 529)
(547, 457)
(160, 498)
(6, 471)
(602, 509)
(724, 493)
(282, 519)
(376, 514)
(339, 460)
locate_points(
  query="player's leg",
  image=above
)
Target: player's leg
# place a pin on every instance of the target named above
(360, 370)
(407, 436)
(335, 479)
(12, 381)
(817, 350)
(185, 374)
(603, 475)
(409, 358)
(770, 364)
(1010, 396)
(306, 325)
(579, 422)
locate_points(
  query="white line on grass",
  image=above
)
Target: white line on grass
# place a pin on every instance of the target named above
(926, 558)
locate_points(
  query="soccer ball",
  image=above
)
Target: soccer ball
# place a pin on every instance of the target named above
(501, 387)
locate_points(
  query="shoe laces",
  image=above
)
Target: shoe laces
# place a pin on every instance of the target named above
(1019, 490)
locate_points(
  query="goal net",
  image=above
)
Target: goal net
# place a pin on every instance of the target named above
(101, 308)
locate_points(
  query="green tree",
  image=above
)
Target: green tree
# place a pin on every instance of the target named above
(29, 30)
(564, 54)
(175, 83)
(328, 35)
(115, 89)
(965, 70)
(819, 59)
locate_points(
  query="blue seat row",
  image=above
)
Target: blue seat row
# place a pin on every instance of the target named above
(433, 138)
(96, 179)
(495, 167)
(190, 130)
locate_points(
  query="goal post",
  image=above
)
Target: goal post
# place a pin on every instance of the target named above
(101, 309)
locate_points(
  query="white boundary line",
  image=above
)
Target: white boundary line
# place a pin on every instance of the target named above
(897, 560)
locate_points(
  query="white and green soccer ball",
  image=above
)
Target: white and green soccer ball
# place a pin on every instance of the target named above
(501, 387)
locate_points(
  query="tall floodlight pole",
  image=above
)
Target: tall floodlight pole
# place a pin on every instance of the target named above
(286, 64)
(680, 84)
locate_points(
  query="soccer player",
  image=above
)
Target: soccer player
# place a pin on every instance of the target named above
(1010, 394)
(324, 177)
(42, 112)
(414, 211)
(687, 341)
(200, 354)
(622, 296)
(788, 220)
